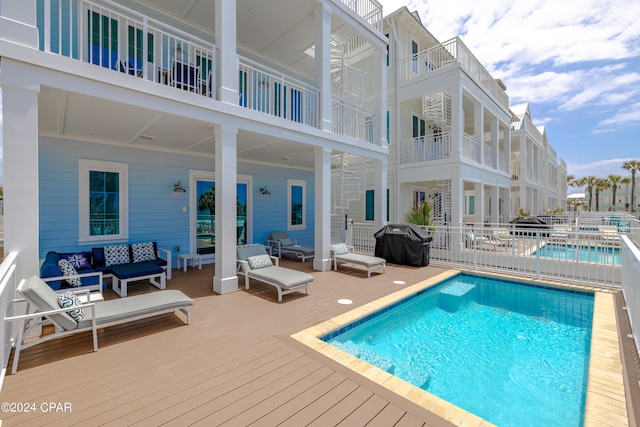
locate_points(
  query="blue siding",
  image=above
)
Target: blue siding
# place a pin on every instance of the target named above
(155, 212)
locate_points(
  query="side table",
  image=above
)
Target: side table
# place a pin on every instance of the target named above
(184, 258)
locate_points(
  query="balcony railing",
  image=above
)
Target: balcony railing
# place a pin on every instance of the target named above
(354, 121)
(448, 53)
(471, 148)
(490, 156)
(117, 38)
(426, 148)
(503, 162)
(369, 10)
(268, 91)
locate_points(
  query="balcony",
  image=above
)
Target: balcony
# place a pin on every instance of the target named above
(354, 121)
(426, 148)
(448, 53)
(369, 10)
(125, 41)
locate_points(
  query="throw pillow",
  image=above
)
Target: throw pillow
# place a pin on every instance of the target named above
(143, 252)
(78, 260)
(67, 269)
(114, 255)
(259, 261)
(67, 300)
(340, 249)
(287, 242)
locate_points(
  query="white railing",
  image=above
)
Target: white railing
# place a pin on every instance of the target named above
(123, 40)
(571, 256)
(445, 54)
(369, 10)
(490, 156)
(631, 285)
(268, 91)
(354, 121)
(426, 148)
(503, 162)
(471, 148)
(8, 285)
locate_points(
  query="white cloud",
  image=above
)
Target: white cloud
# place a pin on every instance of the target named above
(624, 116)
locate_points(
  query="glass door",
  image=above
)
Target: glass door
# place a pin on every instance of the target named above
(205, 221)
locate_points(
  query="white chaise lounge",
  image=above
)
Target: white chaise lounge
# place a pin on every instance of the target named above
(257, 264)
(281, 244)
(97, 315)
(342, 253)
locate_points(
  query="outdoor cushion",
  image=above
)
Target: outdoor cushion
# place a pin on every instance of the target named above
(283, 277)
(68, 299)
(137, 306)
(128, 271)
(340, 249)
(259, 261)
(143, 252)
(78, 260)
(366, 260)
(34, 289)
(114, 255)
(67, 269)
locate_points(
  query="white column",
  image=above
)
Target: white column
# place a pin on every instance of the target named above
(457, 123)
(478, 191)
(380, 97)
(380, 193)
(225, 279)
(457, 202)
(495, 143)
(322, 16)
(227, 62)
(20, 162)
(478, 130)
(495, 204)
(18, 22)
(322, 230)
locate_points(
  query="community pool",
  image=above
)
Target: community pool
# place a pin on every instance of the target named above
(588, 253)
(514, 354)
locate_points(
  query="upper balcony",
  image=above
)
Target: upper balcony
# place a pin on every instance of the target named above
(445, 55)
(133, 44)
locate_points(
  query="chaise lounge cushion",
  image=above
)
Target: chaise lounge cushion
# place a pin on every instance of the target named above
(286, 278)
(46, 299)
(137, 306)
(366, 260)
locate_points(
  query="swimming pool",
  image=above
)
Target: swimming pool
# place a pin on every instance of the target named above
(597, 254)
(510, 353)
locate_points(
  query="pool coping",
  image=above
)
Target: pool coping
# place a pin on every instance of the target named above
(605, 397)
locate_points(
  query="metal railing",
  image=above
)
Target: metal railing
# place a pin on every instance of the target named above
(268, 91)
(575, 256)
(426, 148)
(471, 148)
(490, 156)
(354, 121)
(121, 39)
(450, 52)
(8, 285)
(631, 285)
(369, 10)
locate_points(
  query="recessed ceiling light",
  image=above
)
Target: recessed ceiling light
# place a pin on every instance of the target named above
(147, 137)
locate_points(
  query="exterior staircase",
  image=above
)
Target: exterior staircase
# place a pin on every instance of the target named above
(348, 184)
(436, 107)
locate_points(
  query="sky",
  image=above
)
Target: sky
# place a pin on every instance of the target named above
(576, 62)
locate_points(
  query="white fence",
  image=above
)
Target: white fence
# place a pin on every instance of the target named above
(578, 256)
(8, 284)
(631, 285)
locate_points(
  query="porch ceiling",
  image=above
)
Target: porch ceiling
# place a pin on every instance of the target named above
(81, 117)
(283, 41)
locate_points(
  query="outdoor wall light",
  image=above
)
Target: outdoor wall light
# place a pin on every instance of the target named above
(265, 191)
(178, 188)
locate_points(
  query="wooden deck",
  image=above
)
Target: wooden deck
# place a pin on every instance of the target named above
(234, 365)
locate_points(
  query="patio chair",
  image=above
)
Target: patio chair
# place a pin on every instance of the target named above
(256, 263)
(340, 252)
(281, 244)
(71, 316)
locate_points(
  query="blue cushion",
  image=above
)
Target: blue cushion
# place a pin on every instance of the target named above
(49, 268)
(127, 271)
(98, 257)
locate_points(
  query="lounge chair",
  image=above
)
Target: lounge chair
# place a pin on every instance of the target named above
(256, 263)
(342, 253)
(97, 315)
(281, 244)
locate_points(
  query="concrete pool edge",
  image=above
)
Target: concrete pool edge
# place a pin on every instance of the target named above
(605, 386)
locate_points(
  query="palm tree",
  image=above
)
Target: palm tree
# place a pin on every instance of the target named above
(576, 183)
(591, 184)
(420, 214)
(600, 184)
(207, 200)
(615, 181)
(632, 166)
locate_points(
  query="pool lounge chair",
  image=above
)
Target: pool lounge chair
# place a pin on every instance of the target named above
(97, 315)
(281, 244)
(340, 252)
(256, 263)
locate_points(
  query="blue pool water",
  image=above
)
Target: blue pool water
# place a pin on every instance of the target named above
(599, 254)
(513, 354)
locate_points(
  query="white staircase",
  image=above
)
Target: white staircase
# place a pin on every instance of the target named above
(347, 83)
(348, 180)
(442, 202)
(436, 107)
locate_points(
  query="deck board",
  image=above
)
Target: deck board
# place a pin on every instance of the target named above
(235, 365)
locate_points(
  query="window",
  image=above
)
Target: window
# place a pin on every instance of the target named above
(414, 55)
(387, 36)
(104, 198)
(369, 206)
(296, 204)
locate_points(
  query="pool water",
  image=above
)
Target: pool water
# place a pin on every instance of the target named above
(598, 254)
(513, 354)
